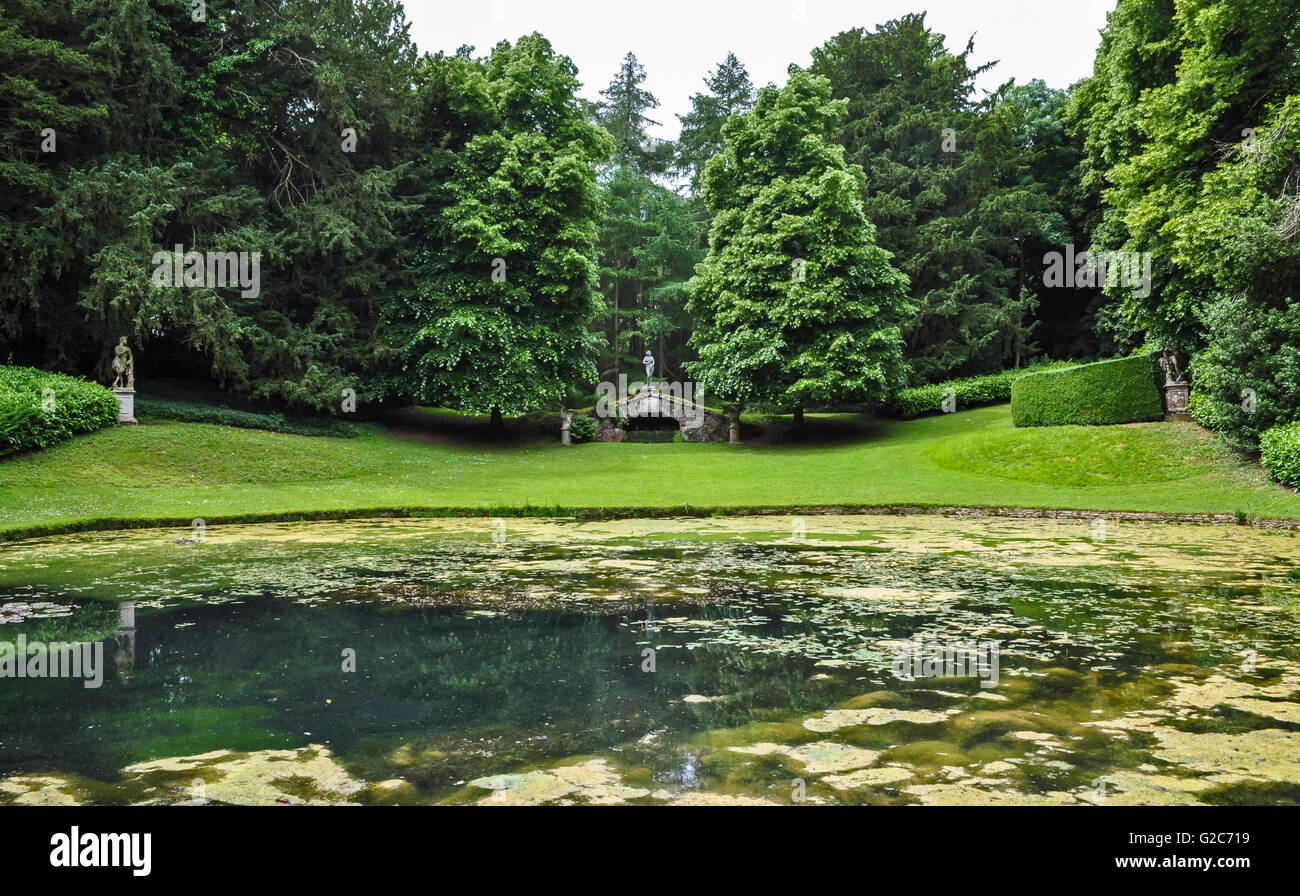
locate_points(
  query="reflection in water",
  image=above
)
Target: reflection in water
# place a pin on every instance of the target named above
(514, 671)
(124, 640)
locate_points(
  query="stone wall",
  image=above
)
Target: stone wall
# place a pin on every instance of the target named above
(696, 424)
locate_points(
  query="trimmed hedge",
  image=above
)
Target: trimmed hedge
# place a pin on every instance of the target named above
(971, 392)
(1279, 453)
(192, 412)
(31, 417)
(1123, 390)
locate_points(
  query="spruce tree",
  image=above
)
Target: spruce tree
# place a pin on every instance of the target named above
(730, 92)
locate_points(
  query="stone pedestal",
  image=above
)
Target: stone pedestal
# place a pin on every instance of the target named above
(125, 405)
(1177, 397)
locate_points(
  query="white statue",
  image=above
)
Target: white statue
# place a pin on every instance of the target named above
(123, 363)
(649, 362)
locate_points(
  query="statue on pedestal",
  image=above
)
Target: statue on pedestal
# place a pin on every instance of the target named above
(1178, 391)
(649, 362)
(123, 364)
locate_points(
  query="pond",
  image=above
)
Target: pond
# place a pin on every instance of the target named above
(760, 660)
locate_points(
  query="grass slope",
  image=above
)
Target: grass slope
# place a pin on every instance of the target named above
(178, 471)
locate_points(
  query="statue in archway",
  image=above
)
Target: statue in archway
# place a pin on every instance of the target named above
(123, 365)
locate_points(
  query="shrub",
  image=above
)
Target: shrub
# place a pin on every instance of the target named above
(970, 392)
(582, 429)
(1252, 347)
(32, 417)
(1279, 453)
(1122, 390)
(191, 412)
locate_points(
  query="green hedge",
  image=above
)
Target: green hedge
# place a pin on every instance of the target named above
(192, 412)
(1120, 391)
(1279, 453)
(971, 392)
(32, 417)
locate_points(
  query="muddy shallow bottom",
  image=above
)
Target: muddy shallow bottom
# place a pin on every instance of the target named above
(846, 659)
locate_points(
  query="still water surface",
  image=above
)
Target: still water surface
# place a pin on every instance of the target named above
(660, 661)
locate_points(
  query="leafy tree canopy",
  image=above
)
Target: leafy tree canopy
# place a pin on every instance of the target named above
(505, 284)
(795, 305)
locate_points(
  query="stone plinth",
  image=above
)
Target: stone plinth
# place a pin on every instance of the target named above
(1177, 397)
(125, 405)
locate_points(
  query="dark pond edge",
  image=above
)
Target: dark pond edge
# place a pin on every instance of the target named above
(587, 514)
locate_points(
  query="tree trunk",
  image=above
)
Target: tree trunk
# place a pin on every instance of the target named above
(615, 339)
(495, 422)
(1020, 321)
(733, 426)
(798, 416)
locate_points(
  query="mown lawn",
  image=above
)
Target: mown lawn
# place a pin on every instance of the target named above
(179, 471)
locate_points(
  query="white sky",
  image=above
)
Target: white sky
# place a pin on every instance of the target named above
(679, 41)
